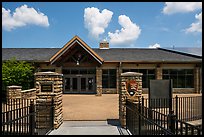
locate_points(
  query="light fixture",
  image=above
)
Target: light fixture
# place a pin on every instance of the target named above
(77, 63)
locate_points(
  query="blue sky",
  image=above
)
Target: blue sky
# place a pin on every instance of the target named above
(122, 24)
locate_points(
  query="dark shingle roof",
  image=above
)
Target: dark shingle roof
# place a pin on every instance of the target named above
(29, 54)
(189, 50)
(112, 54)
(140, 55)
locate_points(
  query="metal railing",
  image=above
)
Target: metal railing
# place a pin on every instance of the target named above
(187, 108)
(19, 117)
(161, 119)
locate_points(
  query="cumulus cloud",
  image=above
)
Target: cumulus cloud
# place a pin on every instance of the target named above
(96, 21)
(181, 7)
(21, 17)
(128, 33)
(197, 26)
(154, 46)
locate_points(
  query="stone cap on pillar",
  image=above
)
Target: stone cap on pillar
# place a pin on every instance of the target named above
(48, 73)
(14, 86)
(130, 74)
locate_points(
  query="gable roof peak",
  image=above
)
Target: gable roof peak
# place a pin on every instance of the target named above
(75, 39)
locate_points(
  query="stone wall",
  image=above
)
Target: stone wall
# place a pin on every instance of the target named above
(13, 92)
(54, 81)
(30, 93)
(125, 92)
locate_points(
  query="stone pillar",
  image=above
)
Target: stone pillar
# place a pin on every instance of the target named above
(14, 92)
(118, 71)
(131, 89)
(197, 79)
(158, 72)
(98, 81)
(49, 85)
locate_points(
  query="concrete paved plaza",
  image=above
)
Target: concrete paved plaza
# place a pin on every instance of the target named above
(90, 128)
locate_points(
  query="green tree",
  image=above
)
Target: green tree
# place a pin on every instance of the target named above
(17, 73)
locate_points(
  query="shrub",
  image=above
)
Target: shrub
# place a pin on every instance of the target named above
(17, 73)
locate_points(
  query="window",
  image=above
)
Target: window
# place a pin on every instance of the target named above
(147, 75)
(79, 71)
(182, 78)
(109, 78)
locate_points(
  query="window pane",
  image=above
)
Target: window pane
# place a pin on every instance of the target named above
(112, 82)
(134, 70)
(181, 81)
(173, 72)
(104, 82)
(144, 81)
(151, 71)
(189, 81)
(74, 83)
(83, 83)
(105, 71)
(143, 71)
(189, 71)
(65, 71)
(112, 71)
(174, 78)
(74, 71)
(83, 71)
(125, 70)
(165, 77)
(67, 83)
(181, 72)
(91, 71)
(165, 71)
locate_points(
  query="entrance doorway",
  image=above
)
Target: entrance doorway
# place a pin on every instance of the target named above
(79, 84)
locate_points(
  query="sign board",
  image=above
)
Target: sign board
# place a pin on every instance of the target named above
(132, 86)
(46, 87)
(160, 93)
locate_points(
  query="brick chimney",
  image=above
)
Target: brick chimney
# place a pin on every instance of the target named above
(104, 45)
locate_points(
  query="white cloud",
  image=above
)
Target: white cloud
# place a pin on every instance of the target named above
(95, 21)
(197, 26)
(181, 7)
(128, 33)
(154, 46)
(21, 17)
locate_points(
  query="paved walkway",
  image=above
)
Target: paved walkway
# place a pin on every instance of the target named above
(109, 127)
(86, 107)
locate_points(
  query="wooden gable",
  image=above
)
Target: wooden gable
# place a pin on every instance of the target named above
(74, 50)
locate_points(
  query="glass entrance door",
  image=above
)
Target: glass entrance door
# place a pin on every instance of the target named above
(79, 84)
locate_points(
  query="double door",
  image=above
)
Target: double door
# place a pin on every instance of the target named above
(79, 84)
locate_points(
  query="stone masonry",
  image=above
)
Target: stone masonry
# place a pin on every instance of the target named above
(124, 94)
(54, 80)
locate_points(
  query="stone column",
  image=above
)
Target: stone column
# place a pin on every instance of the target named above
(131, 89)
(98, 81)
(158, 72)
(119, 71)
(197, 79)
(14, 92)
(49, 85)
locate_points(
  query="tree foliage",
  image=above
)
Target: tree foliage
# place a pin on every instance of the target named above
(17, 73)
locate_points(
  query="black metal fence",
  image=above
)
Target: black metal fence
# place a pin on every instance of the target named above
(19, 117)
(144, 120)
(185, 108)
